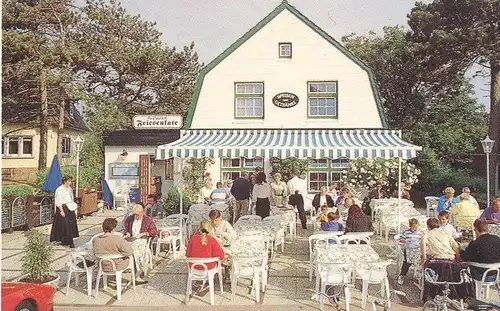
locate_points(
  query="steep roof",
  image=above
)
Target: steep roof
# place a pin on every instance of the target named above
(30, 114)
(283, 6)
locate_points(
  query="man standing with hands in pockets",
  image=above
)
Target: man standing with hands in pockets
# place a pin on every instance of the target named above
(64, 227)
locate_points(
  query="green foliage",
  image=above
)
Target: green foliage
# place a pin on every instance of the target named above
(172, 203)
(37, 257)
(193, 172)
(289, 167)
(88, 176)
(17, 191)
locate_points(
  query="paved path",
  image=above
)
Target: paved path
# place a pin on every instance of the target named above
(288, 288)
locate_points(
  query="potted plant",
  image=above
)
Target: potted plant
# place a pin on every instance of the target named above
(36, 260)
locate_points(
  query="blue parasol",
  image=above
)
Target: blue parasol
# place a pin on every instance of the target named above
(54, 177)
(107, 195)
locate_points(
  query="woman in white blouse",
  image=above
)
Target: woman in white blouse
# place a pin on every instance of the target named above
(260, 196)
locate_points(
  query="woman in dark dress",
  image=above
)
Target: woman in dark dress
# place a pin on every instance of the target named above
(357, 221)
(260, 195)
(64, 227)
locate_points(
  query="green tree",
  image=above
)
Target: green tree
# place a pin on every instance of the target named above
(452, 36)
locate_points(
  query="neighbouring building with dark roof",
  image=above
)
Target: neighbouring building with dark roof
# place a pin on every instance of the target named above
(21, 139)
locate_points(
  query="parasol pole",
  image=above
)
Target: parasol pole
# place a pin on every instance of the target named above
(399, 196)
(180, 190)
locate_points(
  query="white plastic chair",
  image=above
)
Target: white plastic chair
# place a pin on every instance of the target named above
(280, 236)
(353, 239)
(431, 204)
(167, 235)
(252, 268)
(313, 239)
(115, 272)
(204, 275)
(121, 194)
(480, 284)
(77, 264)
(185, 219)
(373, 272)
(333, 274)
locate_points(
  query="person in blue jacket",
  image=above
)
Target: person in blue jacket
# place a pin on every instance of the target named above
(447, 200)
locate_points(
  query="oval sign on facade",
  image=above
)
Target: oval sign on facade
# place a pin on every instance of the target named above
(285, 100)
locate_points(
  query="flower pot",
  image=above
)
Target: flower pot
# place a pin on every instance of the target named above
(52, 280)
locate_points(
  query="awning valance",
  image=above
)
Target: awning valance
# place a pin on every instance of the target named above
(285, 143)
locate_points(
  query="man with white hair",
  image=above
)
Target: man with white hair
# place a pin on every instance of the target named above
(466, 190)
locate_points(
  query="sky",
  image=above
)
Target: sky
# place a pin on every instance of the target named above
(213, 25)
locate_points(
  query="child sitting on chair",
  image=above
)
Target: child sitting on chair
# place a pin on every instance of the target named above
(332, 224)
(323, 216)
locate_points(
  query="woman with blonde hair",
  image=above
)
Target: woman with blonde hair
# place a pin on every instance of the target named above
(203, 245)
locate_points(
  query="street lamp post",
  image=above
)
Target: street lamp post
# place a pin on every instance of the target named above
(487, 148)
(79, 145)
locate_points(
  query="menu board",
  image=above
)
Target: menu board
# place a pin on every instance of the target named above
(5, 214)
(18, 212)
(45, 211)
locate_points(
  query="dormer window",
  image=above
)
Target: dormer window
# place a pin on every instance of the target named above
(285, 50)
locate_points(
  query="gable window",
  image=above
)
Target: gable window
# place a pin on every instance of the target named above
(285, 50)
(322, 99)
(17, 146)
(66, 146)
(249, 100)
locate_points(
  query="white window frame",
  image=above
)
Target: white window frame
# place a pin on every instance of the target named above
(333, 94)
(309, 189)
(68, 139)
(314, 163)
(254, 96)
(20, 147)
(229, 172)
(282, 52)
(253, 159)
(344, 161)
(231, 159)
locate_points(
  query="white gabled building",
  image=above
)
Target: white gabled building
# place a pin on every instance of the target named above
(286, 89)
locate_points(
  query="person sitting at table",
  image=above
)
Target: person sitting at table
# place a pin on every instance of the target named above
(492, 213)
(466, 191)
(405, 192)
(206, 191)
(153, 207)
(261, 194)
(323, 215)
(111, 243)
(410, 238)
(220, 227)
(345, 193)
(219, 195)
(465, 212)
(484, 249)
(333, 192)
(357, 221)
(447, 200)
(441, 249)
(444, 224)
(378, 192)
(332, 224)
(203, 245)
(322, 198)
(139, 225)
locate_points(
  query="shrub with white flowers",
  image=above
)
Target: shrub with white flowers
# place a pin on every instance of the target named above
(364, 173)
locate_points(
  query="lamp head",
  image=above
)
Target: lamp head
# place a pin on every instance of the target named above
(487, 144)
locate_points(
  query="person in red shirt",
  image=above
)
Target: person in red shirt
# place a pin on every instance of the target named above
(203, 245)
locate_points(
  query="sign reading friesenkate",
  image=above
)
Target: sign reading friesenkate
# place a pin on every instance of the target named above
(159, 122)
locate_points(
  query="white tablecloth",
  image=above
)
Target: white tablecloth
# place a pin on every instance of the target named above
(269, 228)
(345, 253)
(494, 229)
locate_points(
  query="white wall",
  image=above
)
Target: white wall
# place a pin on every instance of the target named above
(112, 155)
(313, 59)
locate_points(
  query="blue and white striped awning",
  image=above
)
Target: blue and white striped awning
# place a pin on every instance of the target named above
(285, 143)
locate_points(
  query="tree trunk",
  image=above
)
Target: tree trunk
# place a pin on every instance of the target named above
(60, 128)
(494, 128)
(42, 156)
